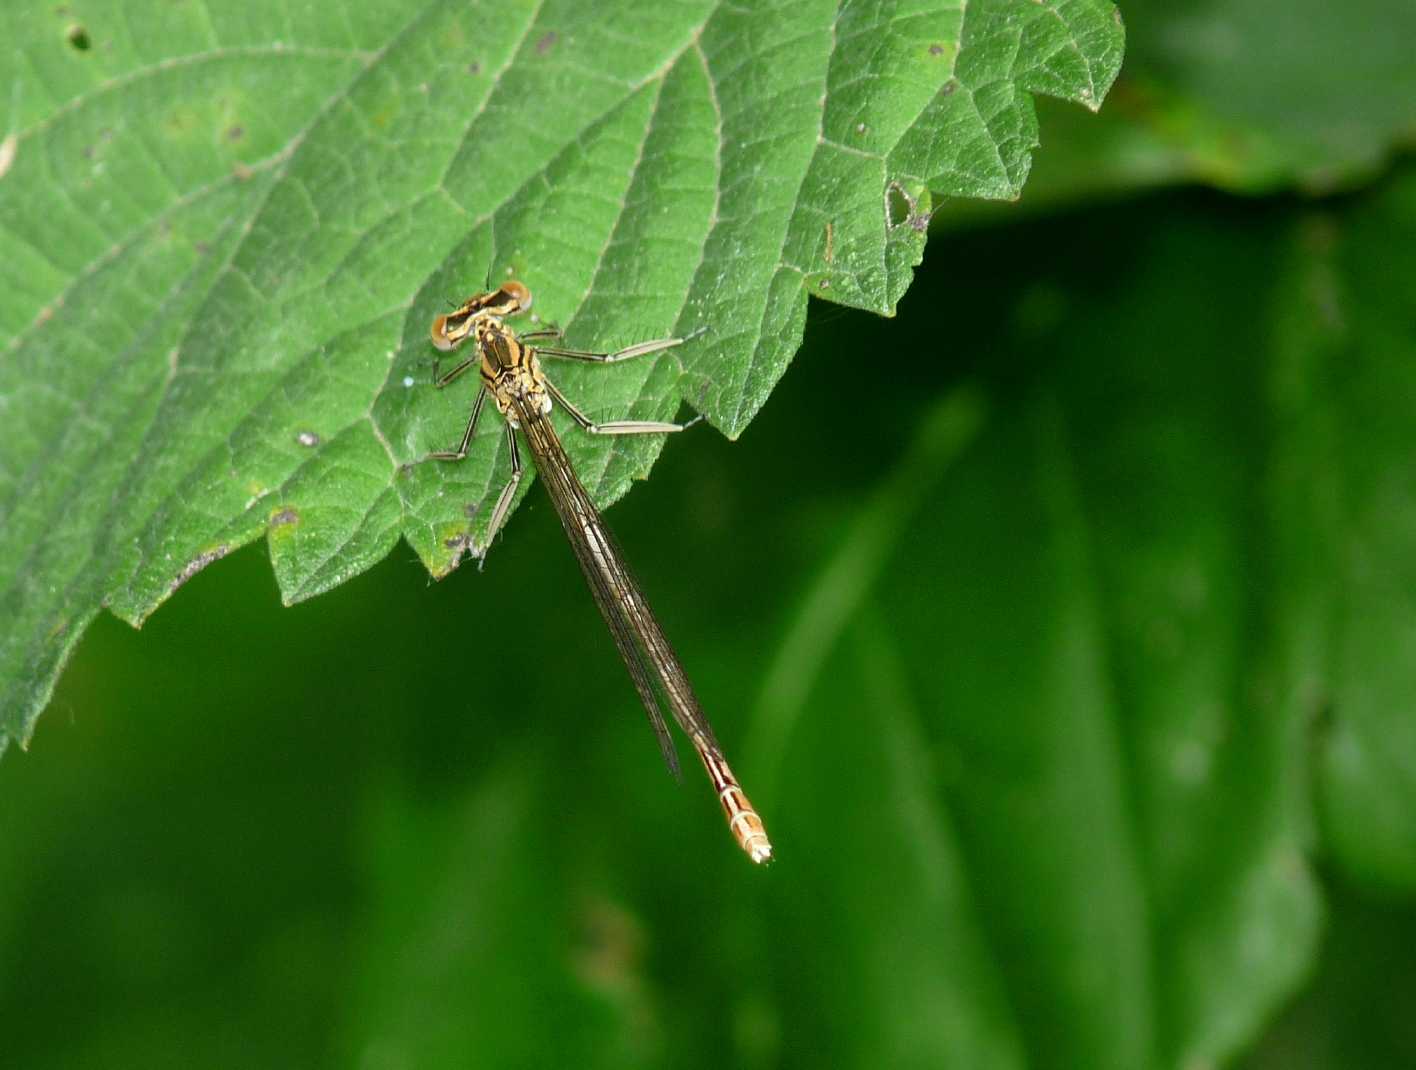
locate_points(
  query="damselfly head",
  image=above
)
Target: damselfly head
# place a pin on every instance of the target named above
(509, 299)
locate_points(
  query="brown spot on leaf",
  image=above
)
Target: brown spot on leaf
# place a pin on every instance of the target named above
(936, 50)
(547, 42)
(285, 516)
(235, 132)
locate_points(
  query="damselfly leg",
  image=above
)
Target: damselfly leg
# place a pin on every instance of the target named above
(461, 451)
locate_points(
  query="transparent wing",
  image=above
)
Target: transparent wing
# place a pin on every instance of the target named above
(647, 654)
(589, 537)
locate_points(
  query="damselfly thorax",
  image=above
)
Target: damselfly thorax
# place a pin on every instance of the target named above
(510, 371)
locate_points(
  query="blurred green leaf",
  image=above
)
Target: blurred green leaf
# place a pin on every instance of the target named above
(1262, 93)
(224, 233)
(1245, 95)
(1140, 593)
(1345, 388)
(1358, 1010)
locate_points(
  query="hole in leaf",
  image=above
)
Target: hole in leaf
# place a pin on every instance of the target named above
(898, 206)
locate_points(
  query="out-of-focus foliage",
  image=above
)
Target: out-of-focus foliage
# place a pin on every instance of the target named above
(1247, 95)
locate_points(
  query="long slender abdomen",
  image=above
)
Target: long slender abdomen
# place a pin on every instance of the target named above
(746, 826)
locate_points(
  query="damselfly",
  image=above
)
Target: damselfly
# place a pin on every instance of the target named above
(511, 373)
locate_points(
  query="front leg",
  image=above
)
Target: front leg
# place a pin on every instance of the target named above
(461, 451)
(508, 491)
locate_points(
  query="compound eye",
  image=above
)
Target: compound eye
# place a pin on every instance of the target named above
(519, 293)
(440, 335)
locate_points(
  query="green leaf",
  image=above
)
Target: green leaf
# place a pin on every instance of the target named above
(223, 234)
(1348, 372)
